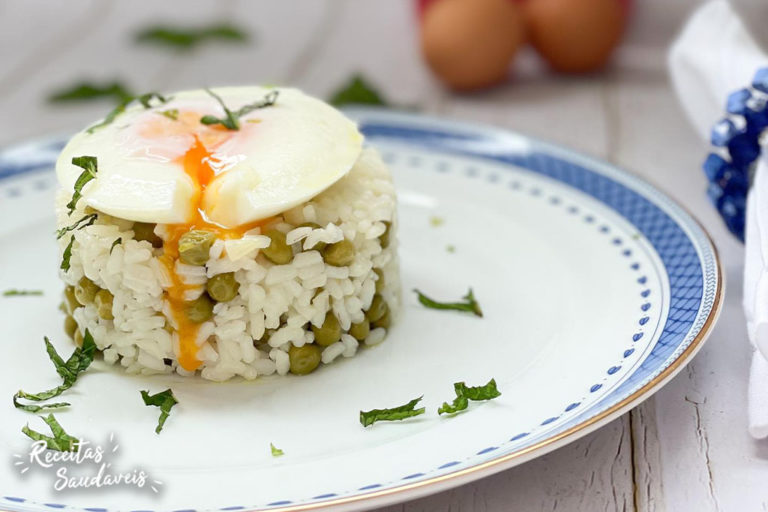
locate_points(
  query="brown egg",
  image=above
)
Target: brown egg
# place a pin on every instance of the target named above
(469, 44)
(575, 35)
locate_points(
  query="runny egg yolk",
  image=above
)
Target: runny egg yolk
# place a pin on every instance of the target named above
(199, 164)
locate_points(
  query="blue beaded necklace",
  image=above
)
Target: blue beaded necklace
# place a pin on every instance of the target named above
(729, 168)
(737, 141)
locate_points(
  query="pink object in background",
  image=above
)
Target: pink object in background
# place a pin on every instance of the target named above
(423, 4)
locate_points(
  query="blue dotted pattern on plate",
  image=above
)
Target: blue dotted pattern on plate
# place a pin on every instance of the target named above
(673, 246)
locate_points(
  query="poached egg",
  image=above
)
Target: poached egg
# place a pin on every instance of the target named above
(162, 165)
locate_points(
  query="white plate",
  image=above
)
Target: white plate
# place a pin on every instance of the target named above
(596, 289)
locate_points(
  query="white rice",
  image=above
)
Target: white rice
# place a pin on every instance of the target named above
(275, 306)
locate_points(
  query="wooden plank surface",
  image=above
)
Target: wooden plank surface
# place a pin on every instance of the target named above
(685, 449)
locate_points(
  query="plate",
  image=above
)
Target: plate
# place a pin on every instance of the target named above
(596, 290)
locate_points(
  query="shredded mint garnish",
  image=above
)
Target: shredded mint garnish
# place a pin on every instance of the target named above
(68, 370)
(357, 92)
(171, 113)
(469, 305)
(466, 393)
(61, 441)
(477, 393)
(164, 400)
(276, 452)
(459, 404)
(86, 91)
(144, 99)
(231, 120)
(81, 223)
(90, 167)
(67, 255)
(21, 293)
(189, 38)
(394, 414)
(117, 242)
(110, 117)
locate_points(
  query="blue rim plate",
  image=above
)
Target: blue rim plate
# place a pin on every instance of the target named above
(667, 288)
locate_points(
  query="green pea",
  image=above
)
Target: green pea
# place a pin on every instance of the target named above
(78, 338)
(384, 237)
(70, 326)
(263, 341)
(360, 330)
(328, 333)
(384, 321)
(339, 254)
(304, 359)
(145, 231)
(195, 245)
(70, 300)
(278, 252)
(200, 309)
(378, 308)
(223, 287)
(85, 290)
(103, 303)
(380, 281)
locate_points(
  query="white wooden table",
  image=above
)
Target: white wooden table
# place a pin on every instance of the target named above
(685, 449)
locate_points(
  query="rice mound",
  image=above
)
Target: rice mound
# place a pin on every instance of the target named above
(275, 305)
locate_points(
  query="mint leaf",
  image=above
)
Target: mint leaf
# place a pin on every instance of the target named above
(21, 293)
(470, 304)
(187, 39)
(61, 441)
(466, 393)
(86, 91)
(164, 400)
(68, 370)
(358, 91)
(276, 452)
(67, 255)
(90, 167)
(81, 223)
(231, 120)
(394, 414)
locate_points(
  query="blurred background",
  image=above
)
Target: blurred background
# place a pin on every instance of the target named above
(49, 47)
(64, 65)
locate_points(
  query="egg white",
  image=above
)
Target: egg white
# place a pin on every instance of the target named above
(282, 156)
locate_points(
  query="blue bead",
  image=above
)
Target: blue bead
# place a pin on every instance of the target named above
(744, 149)
(735, 182)
(715, 194)
(756, 116)
(715, 167)
(722, 132)
(760, 81)
(737, 101)
(733, 210)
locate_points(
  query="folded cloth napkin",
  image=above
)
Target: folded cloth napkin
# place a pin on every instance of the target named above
(713, 57)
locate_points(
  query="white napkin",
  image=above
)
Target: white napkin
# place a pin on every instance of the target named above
(714, 56)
